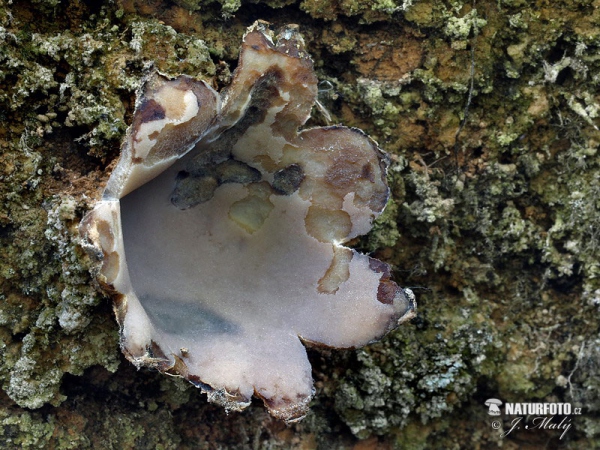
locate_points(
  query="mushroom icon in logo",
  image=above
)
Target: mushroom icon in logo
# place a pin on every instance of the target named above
(493, 404)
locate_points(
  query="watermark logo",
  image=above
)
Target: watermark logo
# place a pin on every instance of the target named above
(531, 416)
(493, 404)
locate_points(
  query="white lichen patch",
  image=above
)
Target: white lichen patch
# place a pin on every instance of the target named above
(221, 231)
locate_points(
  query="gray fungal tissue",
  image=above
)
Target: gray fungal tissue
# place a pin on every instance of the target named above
(221, 231)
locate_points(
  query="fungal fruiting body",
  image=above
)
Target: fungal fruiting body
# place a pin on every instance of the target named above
(221, 231)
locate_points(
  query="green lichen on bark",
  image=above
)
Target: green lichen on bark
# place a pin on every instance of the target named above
(489, 111)
(502, 212)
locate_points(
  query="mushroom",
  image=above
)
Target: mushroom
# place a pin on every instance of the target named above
(221, 231)
(493, 404)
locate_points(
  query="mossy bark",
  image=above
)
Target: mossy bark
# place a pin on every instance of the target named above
(489, 110)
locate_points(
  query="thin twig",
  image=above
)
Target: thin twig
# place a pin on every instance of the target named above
(470, 96)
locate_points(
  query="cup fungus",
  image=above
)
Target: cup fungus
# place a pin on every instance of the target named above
(221, 231)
